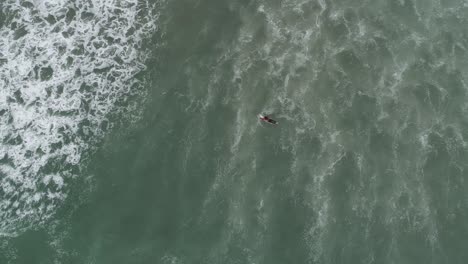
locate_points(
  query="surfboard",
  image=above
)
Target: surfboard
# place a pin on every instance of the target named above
(272, 122)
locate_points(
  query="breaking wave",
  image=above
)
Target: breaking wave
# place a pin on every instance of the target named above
(65, 66)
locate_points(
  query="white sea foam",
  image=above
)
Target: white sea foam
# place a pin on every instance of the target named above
(64, 67)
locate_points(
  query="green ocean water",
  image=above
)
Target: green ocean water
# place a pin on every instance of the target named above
(367, 165)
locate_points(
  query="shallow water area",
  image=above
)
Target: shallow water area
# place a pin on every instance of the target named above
(65, 67)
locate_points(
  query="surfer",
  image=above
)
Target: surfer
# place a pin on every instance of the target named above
(267, 119)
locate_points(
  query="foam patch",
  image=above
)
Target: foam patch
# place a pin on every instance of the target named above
(64, 67)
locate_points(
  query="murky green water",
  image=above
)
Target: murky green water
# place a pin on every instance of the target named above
(367, 165)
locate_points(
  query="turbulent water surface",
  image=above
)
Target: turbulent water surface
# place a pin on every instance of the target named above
(129, 131)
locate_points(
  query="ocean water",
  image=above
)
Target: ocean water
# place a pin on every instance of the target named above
(129, 131)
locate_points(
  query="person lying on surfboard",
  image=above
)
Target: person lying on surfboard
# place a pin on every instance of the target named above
(265, 118)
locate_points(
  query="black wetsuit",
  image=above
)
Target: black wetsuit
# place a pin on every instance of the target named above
(269, 120)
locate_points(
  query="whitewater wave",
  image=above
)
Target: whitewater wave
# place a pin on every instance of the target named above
(65, 66)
